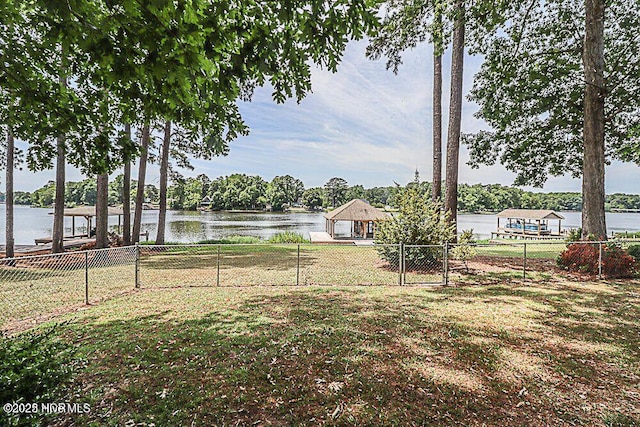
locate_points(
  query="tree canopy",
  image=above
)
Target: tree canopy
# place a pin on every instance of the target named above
(239, 191)
(530, 90)
(336, 191)
(284, 191)
(130, 61)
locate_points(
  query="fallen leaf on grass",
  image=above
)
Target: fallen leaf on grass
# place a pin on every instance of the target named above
(336, 412)
(335, 386)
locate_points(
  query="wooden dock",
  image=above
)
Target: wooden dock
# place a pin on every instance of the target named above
(521, 236)
(322, 237)
(24, 250)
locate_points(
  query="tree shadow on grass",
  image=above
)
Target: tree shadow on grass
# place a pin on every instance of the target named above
(348, 357)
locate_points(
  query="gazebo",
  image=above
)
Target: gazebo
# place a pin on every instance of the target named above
(528, 222)
(362, 216)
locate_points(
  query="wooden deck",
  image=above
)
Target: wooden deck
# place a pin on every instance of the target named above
(23, 250)
(45, 240)
(322, 237)
(528, 236)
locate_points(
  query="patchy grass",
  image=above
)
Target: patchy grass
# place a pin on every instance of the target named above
(275, 264)
(31, 292)
(562, 353)
(36, 288)
(535, 250)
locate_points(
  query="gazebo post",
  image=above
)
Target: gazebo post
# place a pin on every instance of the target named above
(73, 225)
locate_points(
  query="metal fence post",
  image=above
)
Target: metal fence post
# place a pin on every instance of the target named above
(403, 275)
(524, 262)
(298, 268)
(400, 262)
(218, 268)
(404, 265)
(599, 260)
(137, 266)
(86, 277)
(445, 263)
(444, 256)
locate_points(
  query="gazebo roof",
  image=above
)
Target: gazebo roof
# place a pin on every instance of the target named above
(89, 211)
(356, 210)
(537, 214)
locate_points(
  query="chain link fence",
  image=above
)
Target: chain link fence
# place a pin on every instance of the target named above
(35, 287)
(541, 261)
(423, 264)
(267, 264)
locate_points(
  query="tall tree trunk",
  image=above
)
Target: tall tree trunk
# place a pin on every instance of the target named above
(126, 194)
(142, 172)
(593, 191)
(10, 243)
(164, 171)
(436, 190)
(455, 114)
(57, 242)
(102, 211)
(58, 204)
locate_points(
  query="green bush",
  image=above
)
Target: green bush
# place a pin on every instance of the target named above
(634, 251)
(418, 221)
(288, 237)
(33, 366)
(465, 249)
(231, 240)
(574, 235)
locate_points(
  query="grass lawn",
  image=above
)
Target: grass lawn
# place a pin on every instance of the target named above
(247, 265)
(503, 355)
(45, 285)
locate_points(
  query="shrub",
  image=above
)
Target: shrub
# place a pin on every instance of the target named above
(634, 251)
(288, 237)
(417, 222)
(231, 240)
(115, 240)
(34, 365)
(464, 250)
(574, 235)
(583, 257)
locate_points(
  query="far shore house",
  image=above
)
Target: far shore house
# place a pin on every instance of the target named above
(205, 203)
(362, 215)
(529, 223)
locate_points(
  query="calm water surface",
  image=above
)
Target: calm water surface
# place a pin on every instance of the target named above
(186, 226)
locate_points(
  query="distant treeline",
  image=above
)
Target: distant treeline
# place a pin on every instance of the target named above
(240, 191)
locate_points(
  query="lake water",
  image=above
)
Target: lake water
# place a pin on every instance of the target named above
(187, 226)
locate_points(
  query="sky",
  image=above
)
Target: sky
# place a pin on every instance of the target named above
(364, 124)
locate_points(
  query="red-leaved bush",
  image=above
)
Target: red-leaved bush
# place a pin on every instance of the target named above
(584, 258)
